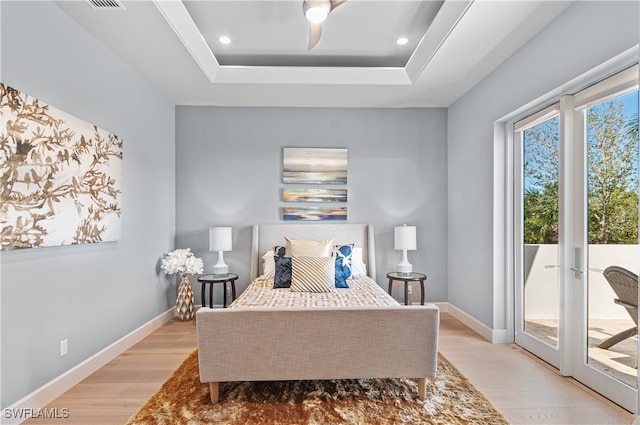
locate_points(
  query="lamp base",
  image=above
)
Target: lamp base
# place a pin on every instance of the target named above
(220, 269)
(404, 267)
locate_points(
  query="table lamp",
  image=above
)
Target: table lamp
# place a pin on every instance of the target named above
(405, 239)
(220, 241)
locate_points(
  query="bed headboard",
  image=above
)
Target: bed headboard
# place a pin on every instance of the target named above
(266, 236)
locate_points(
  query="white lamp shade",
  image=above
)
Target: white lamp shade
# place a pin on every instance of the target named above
(405, 237)
(220, 239)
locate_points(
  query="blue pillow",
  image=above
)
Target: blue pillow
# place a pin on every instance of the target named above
(282, 277)
(343, 254)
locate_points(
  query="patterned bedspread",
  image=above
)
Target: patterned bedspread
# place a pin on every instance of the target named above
(362, 292)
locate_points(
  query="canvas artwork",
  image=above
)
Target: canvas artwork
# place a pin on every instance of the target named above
(314, 195)
(61, 176)
(314, 213)
(314, 166)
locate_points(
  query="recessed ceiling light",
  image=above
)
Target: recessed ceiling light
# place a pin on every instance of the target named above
(402, 41)
(224, 39)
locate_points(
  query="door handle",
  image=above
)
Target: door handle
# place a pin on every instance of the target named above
(577, 260)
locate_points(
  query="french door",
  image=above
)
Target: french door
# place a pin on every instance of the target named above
(577, 215)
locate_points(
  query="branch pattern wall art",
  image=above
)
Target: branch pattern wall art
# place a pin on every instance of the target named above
(60, 176)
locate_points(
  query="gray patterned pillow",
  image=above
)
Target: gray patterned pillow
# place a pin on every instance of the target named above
(313, 274)
(282, 275)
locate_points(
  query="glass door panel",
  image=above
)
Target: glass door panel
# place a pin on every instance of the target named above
(540, 232)
(578, 190)
(611, 133)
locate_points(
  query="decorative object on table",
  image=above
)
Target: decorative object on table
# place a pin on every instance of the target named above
(62, 176)
(314, 213)
(184, 262)
(220, 240)
(314, 166)
(451, 400)
(404, 240)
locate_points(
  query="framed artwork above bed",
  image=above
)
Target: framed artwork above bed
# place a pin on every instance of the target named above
(314, 213)
(314, 195)
(314, 166)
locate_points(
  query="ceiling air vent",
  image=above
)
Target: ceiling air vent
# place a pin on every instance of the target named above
(105, 4)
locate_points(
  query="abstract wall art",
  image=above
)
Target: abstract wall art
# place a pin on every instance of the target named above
(314, 195)
(314, 213)
(314, 166)
(60, 176)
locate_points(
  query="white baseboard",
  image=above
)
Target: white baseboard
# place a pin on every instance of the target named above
(53, 389)
(495, 336)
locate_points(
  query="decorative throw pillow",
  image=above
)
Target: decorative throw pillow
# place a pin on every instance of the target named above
(308, 247)
(282, 275)
(268, 266)
(279, 251)
(357, 265)
(313, 274)
(342, 255)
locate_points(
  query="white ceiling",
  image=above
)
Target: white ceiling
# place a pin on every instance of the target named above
(452, 46)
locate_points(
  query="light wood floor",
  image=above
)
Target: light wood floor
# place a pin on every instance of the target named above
(524, 389)
(619, 361)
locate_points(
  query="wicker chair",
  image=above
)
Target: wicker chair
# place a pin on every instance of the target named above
(625, 284)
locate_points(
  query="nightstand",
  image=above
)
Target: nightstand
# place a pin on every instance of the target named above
(411, 277)
(228, 278)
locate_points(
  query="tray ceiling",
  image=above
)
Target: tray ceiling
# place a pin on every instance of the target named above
(451, 45)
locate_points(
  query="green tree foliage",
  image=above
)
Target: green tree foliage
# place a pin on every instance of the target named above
(612, 176)
(612, 181)
(541, 183)
(632, 127)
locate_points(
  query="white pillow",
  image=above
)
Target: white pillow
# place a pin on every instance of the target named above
(268, 263)
(313, 274)
(308, 248)
(357, 265)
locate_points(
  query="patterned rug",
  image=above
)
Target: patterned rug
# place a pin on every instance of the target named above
(451, 400)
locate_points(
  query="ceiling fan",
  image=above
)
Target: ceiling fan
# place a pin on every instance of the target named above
(316, 12)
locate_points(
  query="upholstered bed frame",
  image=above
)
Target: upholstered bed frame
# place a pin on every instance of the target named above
(269, 344)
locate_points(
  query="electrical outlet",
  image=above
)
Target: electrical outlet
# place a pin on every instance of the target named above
(410, 290)
(64, 347)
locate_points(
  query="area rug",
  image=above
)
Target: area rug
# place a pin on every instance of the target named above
(451, 400)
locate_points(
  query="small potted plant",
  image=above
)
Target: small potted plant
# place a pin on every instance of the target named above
(183, 261)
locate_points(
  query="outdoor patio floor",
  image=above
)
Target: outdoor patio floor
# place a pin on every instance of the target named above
(619, 361)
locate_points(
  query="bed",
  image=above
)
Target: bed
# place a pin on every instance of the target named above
(316, 337)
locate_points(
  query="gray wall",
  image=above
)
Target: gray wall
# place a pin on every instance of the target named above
(229, 172)
(90, 294)
(584, 36)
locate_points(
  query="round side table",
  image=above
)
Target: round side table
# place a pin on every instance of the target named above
(228, 278)
(411, 277)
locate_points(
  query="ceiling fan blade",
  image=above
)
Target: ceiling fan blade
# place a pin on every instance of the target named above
(336, 3)
(315, 31)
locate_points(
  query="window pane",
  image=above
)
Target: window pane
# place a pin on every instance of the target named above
(540, 228)
(612, 188)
